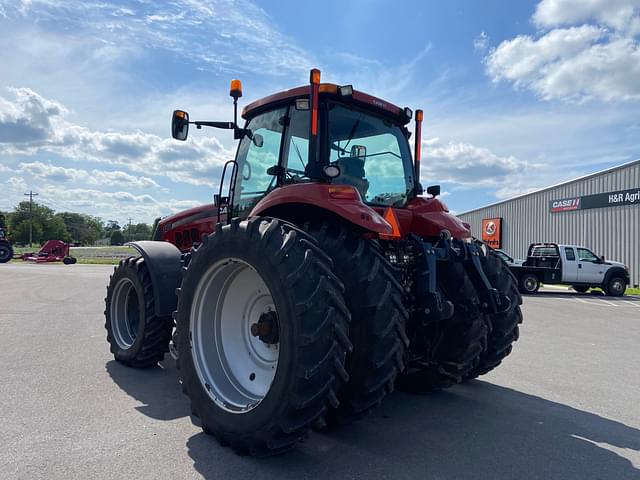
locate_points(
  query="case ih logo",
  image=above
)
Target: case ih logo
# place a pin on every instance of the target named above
(565, 205)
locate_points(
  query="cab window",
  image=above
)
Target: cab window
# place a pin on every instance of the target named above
(570, 254)
(372, 154)
(587, 255)
(258, 151)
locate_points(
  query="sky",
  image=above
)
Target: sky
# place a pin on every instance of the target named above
(517, 95)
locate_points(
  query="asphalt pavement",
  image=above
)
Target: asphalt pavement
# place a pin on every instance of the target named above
(564, 405)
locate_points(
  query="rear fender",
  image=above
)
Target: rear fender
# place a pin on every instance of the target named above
(305, 201)
(163, 260)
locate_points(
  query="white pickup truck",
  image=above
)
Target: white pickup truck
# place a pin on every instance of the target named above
(574, 265)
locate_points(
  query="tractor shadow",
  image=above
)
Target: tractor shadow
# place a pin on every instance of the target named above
(473, 431)
(157, 388)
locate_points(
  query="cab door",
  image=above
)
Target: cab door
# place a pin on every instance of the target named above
(590, 270)
(570, 265)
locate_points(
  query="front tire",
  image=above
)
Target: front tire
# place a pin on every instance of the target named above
(444, 353)
(504, 326)
(6, 252)
(615, 287)
(137, 336)
(261, 271)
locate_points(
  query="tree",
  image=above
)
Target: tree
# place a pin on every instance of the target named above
(138, 231)
(117, 238)
(83, 228)
(110, 226)
(45, 225)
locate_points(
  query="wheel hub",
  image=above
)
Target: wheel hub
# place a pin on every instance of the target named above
(267, 328)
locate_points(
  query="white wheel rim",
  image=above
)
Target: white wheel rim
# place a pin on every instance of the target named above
(124, 313)
(235, 367)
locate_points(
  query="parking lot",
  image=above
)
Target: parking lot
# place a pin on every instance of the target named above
(565, 405)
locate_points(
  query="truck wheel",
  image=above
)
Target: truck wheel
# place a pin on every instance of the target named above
(378, 318)
(503, 327)
(69, 260)
(447, 351)
(138, 337)
(529, 283)
(580, 288)
(6, 252)
(262, 334)
(615, 287)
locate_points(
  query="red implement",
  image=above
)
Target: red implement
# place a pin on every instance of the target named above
(51, 251)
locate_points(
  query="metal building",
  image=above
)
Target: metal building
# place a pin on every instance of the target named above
(600, 211)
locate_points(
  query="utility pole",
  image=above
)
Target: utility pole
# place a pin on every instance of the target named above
(129, 228)
(31, 195)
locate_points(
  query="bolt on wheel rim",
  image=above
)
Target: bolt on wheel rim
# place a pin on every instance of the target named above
(235, 366)
(617, 286)
(125, 313)
(530, 284)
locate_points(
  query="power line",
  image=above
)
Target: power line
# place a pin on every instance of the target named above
(31, 195)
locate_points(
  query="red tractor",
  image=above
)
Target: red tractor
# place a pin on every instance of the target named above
(321, 279)
(6, 249)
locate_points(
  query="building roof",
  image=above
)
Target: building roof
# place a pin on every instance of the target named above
(551, 187)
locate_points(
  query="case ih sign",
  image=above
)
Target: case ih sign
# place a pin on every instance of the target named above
(492, 232)
(600, 200)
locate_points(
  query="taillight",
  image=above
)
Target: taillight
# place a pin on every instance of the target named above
(343, 192)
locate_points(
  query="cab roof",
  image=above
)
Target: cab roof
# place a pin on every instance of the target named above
(327, 89)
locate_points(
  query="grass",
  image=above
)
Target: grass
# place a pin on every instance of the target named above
(87, 255)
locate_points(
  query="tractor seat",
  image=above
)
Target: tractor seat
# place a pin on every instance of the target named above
(352, 173)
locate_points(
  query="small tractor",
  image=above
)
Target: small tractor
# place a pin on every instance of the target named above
(6, 249)
(319, 279)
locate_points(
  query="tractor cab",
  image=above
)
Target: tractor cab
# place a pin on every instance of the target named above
(344, 142)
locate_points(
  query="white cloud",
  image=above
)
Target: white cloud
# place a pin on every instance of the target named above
(105, 178)
(599, 60)
(17, 184)
(620, 15)
(466, 164)
(481, 42)
(221, 35)
(31, 124)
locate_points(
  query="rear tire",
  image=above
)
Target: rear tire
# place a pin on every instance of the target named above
(6, 252)
(378, 318)
(450, 349)
(69, 260)
(580, 288)
(137, 336)
(528, 283)
(615, 287)
(503, 327)
(308, 317)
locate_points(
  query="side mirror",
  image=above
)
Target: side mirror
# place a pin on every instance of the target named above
(180, 125)
(359, 151)
(433, 190)
(602, 259)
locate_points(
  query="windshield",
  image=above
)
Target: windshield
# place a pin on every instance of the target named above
(373, 155)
